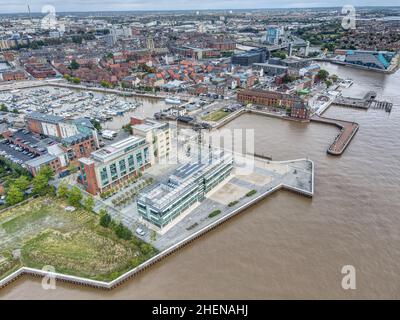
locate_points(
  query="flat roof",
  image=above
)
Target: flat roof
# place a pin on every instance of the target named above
(182, 179)
(150, 124)
(44, 117)
(270, 65)
(86, 161)
(116, 149)
(46, 158)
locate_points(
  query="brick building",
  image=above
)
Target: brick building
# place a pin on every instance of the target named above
(298, 107)
(14, 75)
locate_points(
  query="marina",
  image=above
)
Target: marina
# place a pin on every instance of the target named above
(111, 110)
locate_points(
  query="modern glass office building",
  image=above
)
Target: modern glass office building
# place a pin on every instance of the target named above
(188, 184)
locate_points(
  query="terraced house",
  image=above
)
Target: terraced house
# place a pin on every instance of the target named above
(113, 164)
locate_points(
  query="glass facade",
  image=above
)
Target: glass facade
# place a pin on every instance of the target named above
(194, 192)
(146, 155)
(139, 159)
(104, 177)
(131, 163)
(122, 167)
(114, 173)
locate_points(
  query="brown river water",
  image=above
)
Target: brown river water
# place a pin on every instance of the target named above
(288, 246)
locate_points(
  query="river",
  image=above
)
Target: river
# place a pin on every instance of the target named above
(288, 246)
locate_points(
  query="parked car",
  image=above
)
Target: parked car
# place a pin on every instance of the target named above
(140, 232)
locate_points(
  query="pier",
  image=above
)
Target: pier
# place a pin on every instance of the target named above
(365, 103)
(381, 105)
(342, 140)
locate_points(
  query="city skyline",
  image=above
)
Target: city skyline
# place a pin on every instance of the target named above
(20, 6)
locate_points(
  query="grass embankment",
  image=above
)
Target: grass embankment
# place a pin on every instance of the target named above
(73, 242)
(215, 115)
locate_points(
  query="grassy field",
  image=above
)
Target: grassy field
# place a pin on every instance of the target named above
(215, 115)
(42, 233)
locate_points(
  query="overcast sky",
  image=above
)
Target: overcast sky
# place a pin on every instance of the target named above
(11, 6)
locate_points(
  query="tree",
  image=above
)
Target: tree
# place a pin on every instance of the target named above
(40, 184)
(123, 232)
(146, 248)
(89, 203)
(328, 83)
(105, 218)
(77, 39)
(96, 124)
(47, 172)
(22, 183)
(279, 54)
(14, 195)
(127, 128)
(41, 180)
(76, 80)
(62, 190)
(3, 108)
(323, 74)
(75, 197)
(287, 78)
(329, 46)
(105, 84)
(74, 65)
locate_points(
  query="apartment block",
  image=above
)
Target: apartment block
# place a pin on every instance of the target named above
(113, 164)
(157, 135)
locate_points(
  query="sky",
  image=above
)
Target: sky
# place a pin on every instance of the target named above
(14, 6)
